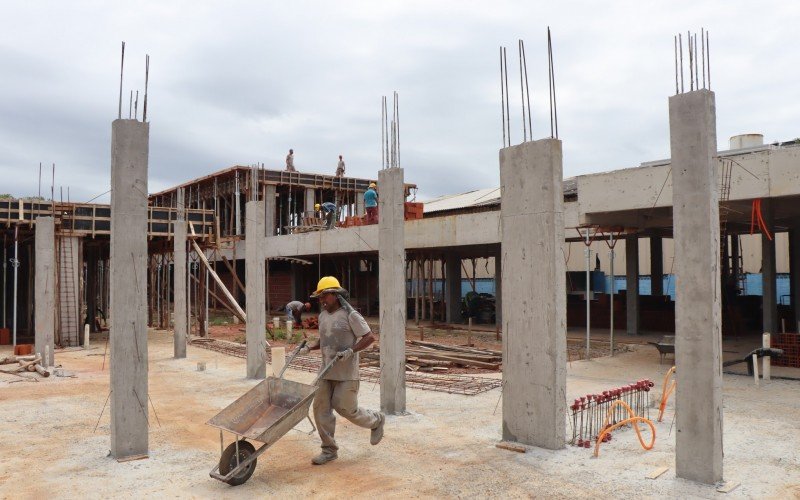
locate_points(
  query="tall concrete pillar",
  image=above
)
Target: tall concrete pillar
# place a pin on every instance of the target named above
(498, 290)
(632, 284)
(181, 313)
(534, 289)
(270, 209)
(392, 290)
(256, 328)
(360, 204)
(698, 326)
(769, 304)
(453, 287)
(45, 288)
(128, 289)
(309, 199)
(656, 266)
(794, 268)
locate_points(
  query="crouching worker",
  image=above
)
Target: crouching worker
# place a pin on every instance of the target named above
(343, 332)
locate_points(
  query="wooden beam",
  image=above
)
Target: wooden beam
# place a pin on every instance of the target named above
(222, 286)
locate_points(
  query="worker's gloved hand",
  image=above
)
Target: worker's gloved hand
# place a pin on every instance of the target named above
(345, 355)
(304, 350)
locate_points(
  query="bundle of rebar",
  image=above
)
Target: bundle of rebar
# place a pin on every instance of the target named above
(589, 412)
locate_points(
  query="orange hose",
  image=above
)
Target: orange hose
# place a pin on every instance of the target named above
(665, 393)
(633, 419)
(761, 222)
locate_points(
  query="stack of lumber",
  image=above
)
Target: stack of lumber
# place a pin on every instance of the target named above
(24, 364)
(429, 356)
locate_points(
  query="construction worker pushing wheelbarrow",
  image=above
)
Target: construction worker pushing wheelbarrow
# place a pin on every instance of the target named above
(272, 408)
(343, 332)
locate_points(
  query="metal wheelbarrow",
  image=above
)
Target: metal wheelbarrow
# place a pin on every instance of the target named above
(264, 414)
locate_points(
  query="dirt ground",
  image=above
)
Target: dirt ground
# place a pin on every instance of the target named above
(444, 447)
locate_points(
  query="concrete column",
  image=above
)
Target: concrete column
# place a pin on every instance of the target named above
(453, 287)
(128, 289)
(632, 284)
(498, 290)
(45, 288)
(392, 290)
(656, 266)
(769, 301)
(534, 287)
(794, 257)
(698, 325)
(309, 199)
(270, 209)
(360, 204)
(255, 261)
(181, 313)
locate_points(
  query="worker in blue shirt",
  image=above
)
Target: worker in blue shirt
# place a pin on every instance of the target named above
(371, 203)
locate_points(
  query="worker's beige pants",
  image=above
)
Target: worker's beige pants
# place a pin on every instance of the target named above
(341, 396)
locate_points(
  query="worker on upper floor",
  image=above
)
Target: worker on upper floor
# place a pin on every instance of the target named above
(371, 203)
(340, 167)
(290, 161)
(328, 210)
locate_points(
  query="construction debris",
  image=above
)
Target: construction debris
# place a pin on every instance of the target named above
(26, 364)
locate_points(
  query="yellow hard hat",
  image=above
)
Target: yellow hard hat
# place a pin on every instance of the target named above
(373, 185)
(316, 206)
(326, 283)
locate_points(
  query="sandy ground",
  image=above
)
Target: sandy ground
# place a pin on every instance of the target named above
(445, 446)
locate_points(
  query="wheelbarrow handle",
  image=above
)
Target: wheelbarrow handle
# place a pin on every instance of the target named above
(291, 358)
(326, 369)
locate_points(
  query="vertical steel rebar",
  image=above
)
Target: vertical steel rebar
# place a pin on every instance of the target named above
(508, 113)
(522, 92)
(527, 89)
(502, 98)
(121, 68)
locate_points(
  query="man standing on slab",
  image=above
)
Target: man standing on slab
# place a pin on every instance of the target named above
(343, 332)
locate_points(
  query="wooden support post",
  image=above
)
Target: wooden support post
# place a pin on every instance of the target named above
(241, 314)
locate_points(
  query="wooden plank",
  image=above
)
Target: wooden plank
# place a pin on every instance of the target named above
(728, 486)
(233, 273)
(657, 473)
(511, 447)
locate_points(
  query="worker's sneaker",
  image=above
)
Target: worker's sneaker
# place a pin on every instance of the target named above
(377, 433)
(324, 458)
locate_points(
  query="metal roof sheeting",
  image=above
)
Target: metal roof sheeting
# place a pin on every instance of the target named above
(480, 198)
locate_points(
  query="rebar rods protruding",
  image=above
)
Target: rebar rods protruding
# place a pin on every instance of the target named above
(390, 133)
(552, 80)
(121, 68)
(699, 61)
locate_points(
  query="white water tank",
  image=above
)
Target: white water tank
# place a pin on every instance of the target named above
(746, 141)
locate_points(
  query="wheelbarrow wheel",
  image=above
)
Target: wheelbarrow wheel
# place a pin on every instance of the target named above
(228, 462)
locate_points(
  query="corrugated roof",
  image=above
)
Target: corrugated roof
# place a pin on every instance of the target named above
(481, 197)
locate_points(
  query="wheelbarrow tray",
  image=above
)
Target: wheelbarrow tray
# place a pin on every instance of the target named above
(267, 411)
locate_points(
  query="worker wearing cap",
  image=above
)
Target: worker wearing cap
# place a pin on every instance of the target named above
(371, 203)
(294, 311)
(340, 167)
(290, 161)
(343, 332)
(329, 210)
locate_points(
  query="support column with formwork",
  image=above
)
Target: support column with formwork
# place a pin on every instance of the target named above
(270, 209)
(769, 304)
(309, 204)
(255, 276)
(656, 265)
(360, 210)
(534, 292)
(45, 289)
(181, 313)
(632, 319)
(392, 290)
(453, 287)
(128, 288)
(698, 325)
(70, 327)
(794, 270)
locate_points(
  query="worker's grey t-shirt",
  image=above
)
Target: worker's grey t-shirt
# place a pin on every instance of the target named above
(295, 306)
(339, 331)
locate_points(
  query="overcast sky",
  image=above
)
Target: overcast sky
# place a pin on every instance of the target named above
(240, 82)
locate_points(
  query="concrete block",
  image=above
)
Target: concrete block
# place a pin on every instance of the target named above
(534, 294)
